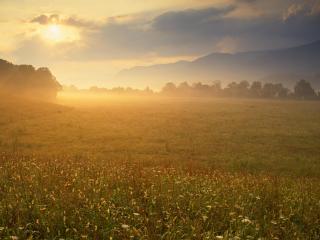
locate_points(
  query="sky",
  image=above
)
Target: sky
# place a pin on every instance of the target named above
(87, 42)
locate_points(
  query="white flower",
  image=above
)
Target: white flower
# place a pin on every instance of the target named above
(125, 226)
(246, 220)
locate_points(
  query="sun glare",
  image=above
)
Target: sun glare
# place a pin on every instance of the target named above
(54, 33)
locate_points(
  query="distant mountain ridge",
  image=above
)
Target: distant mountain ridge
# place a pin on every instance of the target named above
(302, 61)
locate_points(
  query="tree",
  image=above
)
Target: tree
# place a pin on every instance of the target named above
(231, 89)
(25, 80)
(201, 89)
(304, 90)
(215, 88)
(243, 88)
(237, 89)
(281, 91)
(184, 89)
(271, 90)
(147, 91)
(256, 89)
(169, 89)
(243, 85)
(184, 86)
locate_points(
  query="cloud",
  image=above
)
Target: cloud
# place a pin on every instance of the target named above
(181, 20)
(246, 1)
(302, 8)
(294, 10)
(195, 32)
(45, 19)
(227, 45)
(189, 32)
(162, 36)
(315, 10)
(169, 34)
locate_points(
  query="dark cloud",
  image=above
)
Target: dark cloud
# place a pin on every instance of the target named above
(246, 1)
(302, 8)
(182, 20)
(46, 19)
(191, 32)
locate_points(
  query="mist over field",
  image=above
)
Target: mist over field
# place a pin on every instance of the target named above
(160, 120)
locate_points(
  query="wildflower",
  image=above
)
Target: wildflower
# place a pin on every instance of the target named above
(125, 226)
(246, 220)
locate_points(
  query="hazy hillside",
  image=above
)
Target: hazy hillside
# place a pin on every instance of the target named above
(301, 61)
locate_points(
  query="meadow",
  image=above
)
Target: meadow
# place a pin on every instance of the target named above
(159, 168)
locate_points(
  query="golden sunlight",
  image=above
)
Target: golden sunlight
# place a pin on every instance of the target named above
(55, 33)
(148, 119)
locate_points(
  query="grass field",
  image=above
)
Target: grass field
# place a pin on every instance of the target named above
(153, 168)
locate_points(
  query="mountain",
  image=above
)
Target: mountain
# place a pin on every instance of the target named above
(267, 65)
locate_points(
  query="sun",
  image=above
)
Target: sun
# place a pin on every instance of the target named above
(55, 33)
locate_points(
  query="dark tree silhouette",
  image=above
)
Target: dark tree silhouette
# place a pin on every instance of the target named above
(26, 80)
(216, 89)
(304, 90)
(233, 89)
(256, 89)
(147, 91)
(282, 92)
(184, 86)
(184, 89)
(271, 90)
(169, 89)
(237, 89)
(243, 88)
(243, 85)
(268, 90)
(201, 89)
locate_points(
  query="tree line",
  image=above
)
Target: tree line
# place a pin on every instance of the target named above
(244, 89)
(257, 89)
(27, 80)
(126, 91)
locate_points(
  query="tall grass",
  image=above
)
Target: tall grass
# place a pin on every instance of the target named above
(84, 198)
(162, 169)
